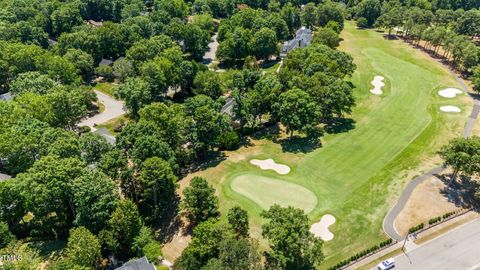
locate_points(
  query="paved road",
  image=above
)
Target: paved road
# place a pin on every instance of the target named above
(228, 107)
(456, 250)
(113, 109)
(389, 220)
(212, 50)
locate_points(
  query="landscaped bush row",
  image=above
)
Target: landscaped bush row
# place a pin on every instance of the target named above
(449, 214)
(361, 254)
(431, 222)
(434, 220)
(416, 228)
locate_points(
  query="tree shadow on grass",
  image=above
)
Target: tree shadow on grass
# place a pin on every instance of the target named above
(460, 192)
(268, 131)
(298, 144)
(339, 125)
(171, 223)
(48, 249)
(208, 160)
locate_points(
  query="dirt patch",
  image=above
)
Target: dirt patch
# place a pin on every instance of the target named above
(173, 249)
(426, 202)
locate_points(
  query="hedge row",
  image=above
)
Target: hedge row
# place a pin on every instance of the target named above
(361, 254)
(431, 222)
(434, 220)
(437, 219)
(416, 228)
(449, 214)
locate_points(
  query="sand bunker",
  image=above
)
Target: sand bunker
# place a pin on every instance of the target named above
(450, 92)
(378, 84)
(269, 164)
(452, 109)
(320, 229)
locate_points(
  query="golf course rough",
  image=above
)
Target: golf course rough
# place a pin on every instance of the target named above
(266, 191)
(356, 174)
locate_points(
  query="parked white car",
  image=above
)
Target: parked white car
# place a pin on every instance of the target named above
(387, 264)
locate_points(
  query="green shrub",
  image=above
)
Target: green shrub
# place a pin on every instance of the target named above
(416, 228)
(84, 129)
(449, 214)
(434, 220)
(229, 140)
(362, 22)
(105, 71)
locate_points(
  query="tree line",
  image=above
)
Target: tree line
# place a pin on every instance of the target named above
(257, 32)
(450, 29)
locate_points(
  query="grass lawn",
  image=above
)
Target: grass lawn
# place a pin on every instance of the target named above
(271, 67)
(105, 87)
(110, 125)
(357, 175)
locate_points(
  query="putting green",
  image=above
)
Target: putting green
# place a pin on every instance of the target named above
(266, 191)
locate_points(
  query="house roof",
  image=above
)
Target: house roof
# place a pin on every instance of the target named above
(95, 23)
(6, 96)
(139, 264)
(4, 177)
(106, 62)
(303, 38)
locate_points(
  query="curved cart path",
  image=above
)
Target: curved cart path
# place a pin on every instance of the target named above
(389, 221)
(113, 109)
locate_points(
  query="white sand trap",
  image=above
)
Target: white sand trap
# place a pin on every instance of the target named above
(320, 229)
(269, 164)
(450, 92)
(378, 84)
(451, 109)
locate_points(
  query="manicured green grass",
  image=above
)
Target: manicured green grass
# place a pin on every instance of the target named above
(110, 125)
(357, 175)
(284, 193)
(105, 87)
(271, 68)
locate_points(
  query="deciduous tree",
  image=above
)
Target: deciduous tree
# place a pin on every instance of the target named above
(199, 202)
(292, 245)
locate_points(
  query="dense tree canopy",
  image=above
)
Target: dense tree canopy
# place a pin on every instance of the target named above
(292, 245)
(118, 198)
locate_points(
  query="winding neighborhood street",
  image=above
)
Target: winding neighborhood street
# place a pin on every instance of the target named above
(113, 109)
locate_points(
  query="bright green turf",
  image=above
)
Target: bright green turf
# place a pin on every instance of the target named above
(105, 87)
(266, 191)
(358, 175)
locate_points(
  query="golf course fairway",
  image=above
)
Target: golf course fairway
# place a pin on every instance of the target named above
(356, 175)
